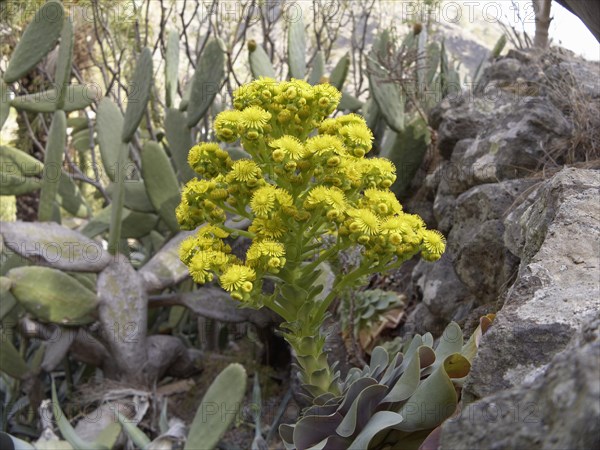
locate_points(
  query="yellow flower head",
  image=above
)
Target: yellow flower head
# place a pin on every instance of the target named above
(358, 135)
(290, 146)
(263, 200)
(254, 118)
(226, 126)
(272, 228)
(323, 144)
(364, 221)
(245, 170)
(434, 244)
(236, 276)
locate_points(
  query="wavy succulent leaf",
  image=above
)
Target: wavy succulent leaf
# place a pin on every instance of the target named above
(39, 38)
(77, 96)
(387, 401)
(206, 82)
(138, 95)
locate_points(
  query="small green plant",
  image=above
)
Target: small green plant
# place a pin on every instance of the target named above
(308, 197)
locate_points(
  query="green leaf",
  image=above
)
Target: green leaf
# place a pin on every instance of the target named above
(52, 244)
(381, 420)
(339, 72)
(180, 143)
(318, 69)
(207, 81)
(388, 96)
(77, 96)
(136, 197)
(17, 162)
(436, 391)
(118, 199)
(55, 149)
(349, 103)
(138, 95)
(7, 300)
(161, 183)
(52, 296)
(4, 103)
(66, 429)
(70, 197)
(260, 63)
(218, 408)
(407, 150)
(109, 126)
(171, 67)
(39, 38)
(18, 185)
(297, 49)
(134, 224)
(11, 362)
(63, 64)
(138, 437)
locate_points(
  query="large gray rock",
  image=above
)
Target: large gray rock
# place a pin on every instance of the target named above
(555, 289)
(557, 409)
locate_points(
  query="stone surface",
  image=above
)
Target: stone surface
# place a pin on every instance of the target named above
(555, 289)
(558, 408)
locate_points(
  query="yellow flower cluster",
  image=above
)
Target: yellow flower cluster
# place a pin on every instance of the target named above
(295, 187)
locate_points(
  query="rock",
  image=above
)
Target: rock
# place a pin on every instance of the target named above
(481, 260)
(557, 409)
(555, 289)
(516, 144)
(443, 293)
(527, 224)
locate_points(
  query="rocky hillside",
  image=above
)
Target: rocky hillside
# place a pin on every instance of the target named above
(517, 193)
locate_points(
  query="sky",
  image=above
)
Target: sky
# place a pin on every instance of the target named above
(566, 29)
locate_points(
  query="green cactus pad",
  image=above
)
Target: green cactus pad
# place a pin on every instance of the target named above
(218, 408)
(52, 296)
(109, 123)
(55, 149)
(207, 81)
(171, 67)
(297, 49)
(260, 63)
(318, 69)
(63, 64)
(139, 94)
(340, 72)
(77, 96)
(39, 38)
(161, 183)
